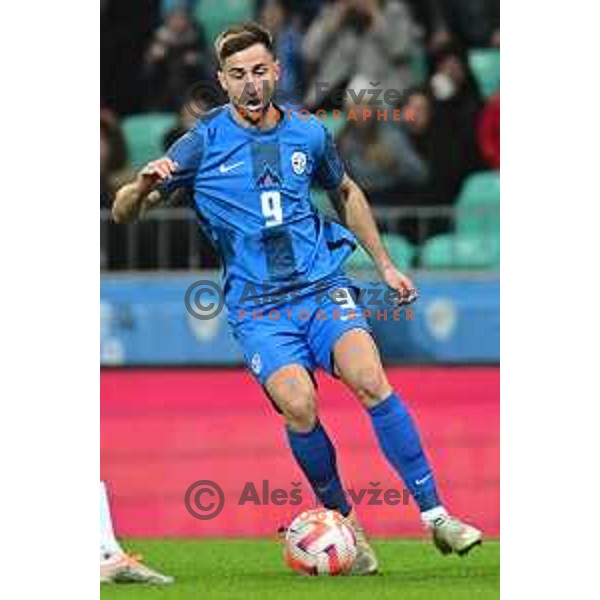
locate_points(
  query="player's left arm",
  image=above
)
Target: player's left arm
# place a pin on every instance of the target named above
(355, 212)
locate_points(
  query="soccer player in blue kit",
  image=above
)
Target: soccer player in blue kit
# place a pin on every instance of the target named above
(250, 164)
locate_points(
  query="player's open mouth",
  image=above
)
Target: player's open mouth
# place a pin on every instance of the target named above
(252, 104)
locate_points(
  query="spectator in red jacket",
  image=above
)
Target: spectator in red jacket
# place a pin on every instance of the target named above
(488, 132)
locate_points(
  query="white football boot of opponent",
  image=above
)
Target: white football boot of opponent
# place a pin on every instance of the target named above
(124, 568)
(115, 564)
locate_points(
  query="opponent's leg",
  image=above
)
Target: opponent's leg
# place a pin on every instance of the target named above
(116, 566)
(358, 363)
(108, 542)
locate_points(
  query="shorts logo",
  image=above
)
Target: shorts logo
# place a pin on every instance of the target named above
(255, 364)
(299, 162)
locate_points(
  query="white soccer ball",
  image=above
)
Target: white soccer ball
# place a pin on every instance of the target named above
(320, 542)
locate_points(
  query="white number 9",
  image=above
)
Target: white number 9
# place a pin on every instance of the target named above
(271, 208)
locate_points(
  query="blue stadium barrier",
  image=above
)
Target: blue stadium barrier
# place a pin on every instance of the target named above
(144, 321)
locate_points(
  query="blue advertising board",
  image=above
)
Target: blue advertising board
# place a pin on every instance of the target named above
(144, 321)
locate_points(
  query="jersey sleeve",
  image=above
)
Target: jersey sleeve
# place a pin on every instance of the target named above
(330, 168)
(187, 153)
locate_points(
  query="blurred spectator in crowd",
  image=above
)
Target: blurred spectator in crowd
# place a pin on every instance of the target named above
(125, 28)
(114, 164)
(276, 17)
(444, 138)
(472, 23)
(168, 6)
(115, 171)
(377, 152)
(174, 61)
(429, 15)
(436, 146)
(457, 103)
(489, 132)
(376, 37)
(189, 112)
(302, 11)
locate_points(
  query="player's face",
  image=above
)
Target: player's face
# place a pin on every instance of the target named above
(249, 78)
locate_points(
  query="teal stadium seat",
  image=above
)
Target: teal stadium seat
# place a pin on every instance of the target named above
(485, 64)
(418, 66)
(400, 250)
(450, 251)
(216, 15)
(478, 205)
(144, 136)
(333, 124)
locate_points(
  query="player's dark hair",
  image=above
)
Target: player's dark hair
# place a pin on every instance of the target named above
(239, 37)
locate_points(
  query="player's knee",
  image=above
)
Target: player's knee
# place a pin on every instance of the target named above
(371, 385)
(301, 412)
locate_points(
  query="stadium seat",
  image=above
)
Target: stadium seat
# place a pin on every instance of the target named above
(478, 205)
(400, 250)
(449, 251)
(216, 15)
(485, 64)
(144, 136)
(419, 67)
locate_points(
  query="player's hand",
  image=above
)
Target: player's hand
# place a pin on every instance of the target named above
(157, 171)
(395, 279)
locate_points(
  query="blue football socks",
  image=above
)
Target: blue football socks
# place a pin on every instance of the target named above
(399, 440)
(315, 454)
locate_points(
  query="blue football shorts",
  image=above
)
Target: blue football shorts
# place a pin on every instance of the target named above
(302, 330)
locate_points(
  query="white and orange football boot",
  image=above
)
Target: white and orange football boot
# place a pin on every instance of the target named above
(126, 568)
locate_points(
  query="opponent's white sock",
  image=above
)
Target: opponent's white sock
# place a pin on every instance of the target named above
(108, 542)
(433, 515)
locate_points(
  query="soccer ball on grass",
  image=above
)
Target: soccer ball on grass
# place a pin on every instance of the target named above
(320, 542)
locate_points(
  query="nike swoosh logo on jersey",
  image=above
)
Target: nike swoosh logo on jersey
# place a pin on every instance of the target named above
(227, 168)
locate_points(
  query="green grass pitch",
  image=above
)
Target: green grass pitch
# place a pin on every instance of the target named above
(254, 569)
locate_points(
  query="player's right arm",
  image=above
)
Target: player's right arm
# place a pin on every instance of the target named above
(141, 194)
(160, 177)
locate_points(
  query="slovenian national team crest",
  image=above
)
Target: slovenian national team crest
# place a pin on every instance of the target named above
(299, 162)
(256, 363)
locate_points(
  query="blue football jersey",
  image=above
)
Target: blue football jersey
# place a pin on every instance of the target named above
(251, 193)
